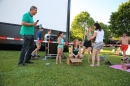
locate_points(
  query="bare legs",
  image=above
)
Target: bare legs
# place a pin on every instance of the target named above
(80, 56)
(60, 57)
(89, 50)
(95, 53)
(98, 58)
(84, 49)
(124, 53)
(59, 54)
(37, 49)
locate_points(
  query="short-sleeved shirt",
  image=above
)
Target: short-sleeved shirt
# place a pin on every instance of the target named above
(27, 30)
(100, 36)
(39, 35)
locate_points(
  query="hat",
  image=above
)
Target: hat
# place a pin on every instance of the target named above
(40, 26)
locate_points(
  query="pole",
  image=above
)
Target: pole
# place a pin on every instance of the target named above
(68, 21)
(84, 32)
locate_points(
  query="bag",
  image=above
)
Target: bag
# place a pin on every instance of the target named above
(108, 63)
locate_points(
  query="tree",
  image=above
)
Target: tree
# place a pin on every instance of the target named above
(119, 21)
(78, 25)
(106, 32)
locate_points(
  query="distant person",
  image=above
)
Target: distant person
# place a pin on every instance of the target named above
(99, 34)
(125, 42)
(60, 47)
(125, 62)
(88, 44)
(27, 32)
(75, 50)
(118, 51)
(48, 34)
(38, 43)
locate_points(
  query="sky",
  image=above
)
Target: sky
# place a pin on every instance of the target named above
(99, 10)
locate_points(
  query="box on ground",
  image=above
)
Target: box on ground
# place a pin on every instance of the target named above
(73, 61)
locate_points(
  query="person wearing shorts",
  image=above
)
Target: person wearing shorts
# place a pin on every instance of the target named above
(124, 47)
(38, 43)
(99, 34)
(125, 42)
(88, 44)
(60, 47)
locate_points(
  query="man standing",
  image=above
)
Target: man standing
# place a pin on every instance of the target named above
(27, 32)
(125, 42)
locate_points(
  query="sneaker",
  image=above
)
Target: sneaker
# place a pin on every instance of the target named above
(29, 62)
(32, 55)
(36, 58)
(21, 64)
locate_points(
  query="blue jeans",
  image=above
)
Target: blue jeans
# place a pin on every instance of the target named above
(27, 48)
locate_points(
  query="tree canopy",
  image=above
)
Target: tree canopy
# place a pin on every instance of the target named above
(119, 21)
(77, 29)
(107, 32)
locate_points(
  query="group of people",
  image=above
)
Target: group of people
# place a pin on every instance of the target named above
(93, 42)
(27, 32)
(98, 44)
(39, 39)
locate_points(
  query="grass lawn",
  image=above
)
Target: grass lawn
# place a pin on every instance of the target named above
(38, 74)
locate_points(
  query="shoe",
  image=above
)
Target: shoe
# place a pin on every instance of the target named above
(21, 64)
(29, 62)
(33, 55)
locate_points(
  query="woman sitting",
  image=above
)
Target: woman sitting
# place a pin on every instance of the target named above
(75, 50)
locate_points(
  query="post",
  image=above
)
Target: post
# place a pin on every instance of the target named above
(68, 22)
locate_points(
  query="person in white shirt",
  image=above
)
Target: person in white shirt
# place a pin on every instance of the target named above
(48, 33)
(99, 34)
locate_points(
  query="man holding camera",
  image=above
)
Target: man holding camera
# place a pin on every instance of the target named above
(27, 32)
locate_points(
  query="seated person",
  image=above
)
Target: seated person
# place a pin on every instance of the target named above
(75, 50)
(125, 63)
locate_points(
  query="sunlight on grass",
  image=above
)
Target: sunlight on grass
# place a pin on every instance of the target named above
(106, 51)
(38, 74)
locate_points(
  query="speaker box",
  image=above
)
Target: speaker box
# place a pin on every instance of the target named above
(52, 48)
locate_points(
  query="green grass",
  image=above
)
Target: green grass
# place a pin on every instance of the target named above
(38, 74)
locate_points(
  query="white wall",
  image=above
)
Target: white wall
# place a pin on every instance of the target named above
(52, 14)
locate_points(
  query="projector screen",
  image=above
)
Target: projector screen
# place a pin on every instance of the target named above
(52, 14)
